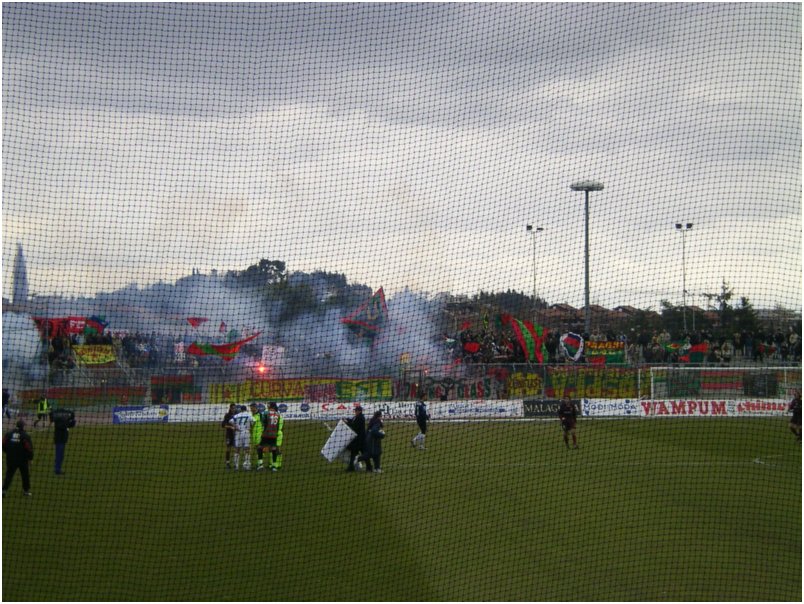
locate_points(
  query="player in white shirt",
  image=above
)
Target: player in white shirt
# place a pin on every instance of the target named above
(242, 422)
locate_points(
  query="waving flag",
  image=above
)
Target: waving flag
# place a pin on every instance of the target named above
(530, 337)
(572, 345)
(196, 321)
(226, 351)
(369, 318)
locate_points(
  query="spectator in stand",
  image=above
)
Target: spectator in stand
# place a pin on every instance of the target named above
(748, 344)
(714, 356)
(738, 345)
(795, 345)
(727, 351)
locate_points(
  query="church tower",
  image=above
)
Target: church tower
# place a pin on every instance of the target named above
(20, 295)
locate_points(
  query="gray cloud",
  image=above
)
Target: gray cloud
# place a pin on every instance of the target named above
(421, 136)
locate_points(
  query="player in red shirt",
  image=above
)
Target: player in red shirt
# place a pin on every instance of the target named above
(568, 415)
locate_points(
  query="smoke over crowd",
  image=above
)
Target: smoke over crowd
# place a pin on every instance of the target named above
(299, 315)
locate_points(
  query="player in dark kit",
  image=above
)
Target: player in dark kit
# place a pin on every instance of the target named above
(273, 425)
(420, 412)
(795, 421)
(18, 448)
(358, 424)
(568, 415)
(229, 432)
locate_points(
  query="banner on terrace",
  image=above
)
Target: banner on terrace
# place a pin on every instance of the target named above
(298, 389)
(605, 353)
(95, 354)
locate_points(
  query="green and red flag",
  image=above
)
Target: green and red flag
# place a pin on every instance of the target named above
(226, 351)
(369, 317)
(695, 354)
(687, 353)
(530, 337)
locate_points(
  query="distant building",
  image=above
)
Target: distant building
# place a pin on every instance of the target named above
(20, 294)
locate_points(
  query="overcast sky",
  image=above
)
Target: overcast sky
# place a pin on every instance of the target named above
(407, 145)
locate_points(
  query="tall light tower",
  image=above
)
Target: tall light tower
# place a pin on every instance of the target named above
(586, 186)
(683, 228)
(533, 230)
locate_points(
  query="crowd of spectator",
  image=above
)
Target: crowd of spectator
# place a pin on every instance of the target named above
(502, 346)
(489, 345)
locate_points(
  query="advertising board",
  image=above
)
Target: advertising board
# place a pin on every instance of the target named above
(545, 407)
(140, 414)
(610, 408)
(683, 408)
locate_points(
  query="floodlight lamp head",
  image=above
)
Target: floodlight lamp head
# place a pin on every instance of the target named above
(587, 185)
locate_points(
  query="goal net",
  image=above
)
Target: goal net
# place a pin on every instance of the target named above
(724, 382)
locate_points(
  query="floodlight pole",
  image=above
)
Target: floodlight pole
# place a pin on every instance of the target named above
(586, 186)
(533, 230)
(683, 228)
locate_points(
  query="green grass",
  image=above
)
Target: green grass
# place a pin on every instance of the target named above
(697, 509)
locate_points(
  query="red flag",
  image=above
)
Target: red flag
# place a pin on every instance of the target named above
(196, 321)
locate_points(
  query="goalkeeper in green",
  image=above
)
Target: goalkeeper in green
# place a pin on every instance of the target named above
(256, 432)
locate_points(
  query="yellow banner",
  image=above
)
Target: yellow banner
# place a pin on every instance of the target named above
(522, 385)
(295, 389)
(95, 354)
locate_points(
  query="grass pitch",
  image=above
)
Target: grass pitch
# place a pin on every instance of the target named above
(696, 509)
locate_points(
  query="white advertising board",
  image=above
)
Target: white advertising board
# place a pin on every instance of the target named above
(610, 408)
(683, 408)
